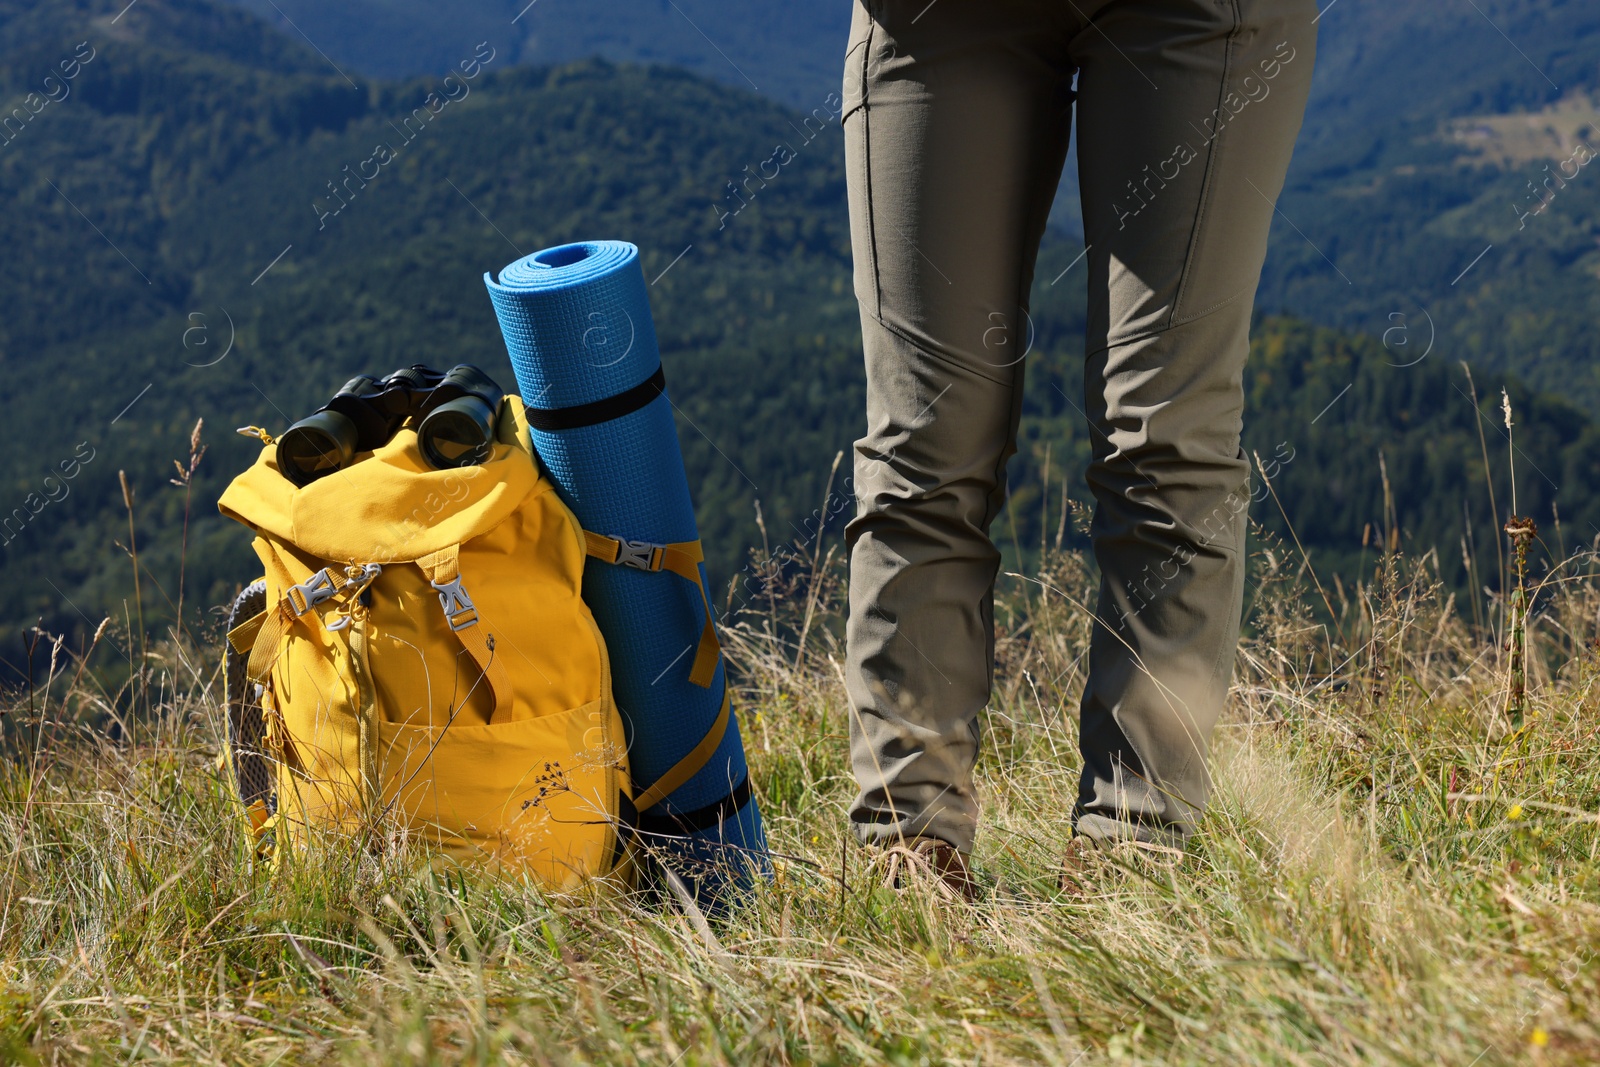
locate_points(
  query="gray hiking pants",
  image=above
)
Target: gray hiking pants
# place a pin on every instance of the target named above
(956, 121)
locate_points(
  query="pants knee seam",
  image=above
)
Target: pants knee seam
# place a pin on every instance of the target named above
(1172, 324)
(931, 353)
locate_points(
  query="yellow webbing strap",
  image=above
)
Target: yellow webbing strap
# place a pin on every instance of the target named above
(690, 765)
(443, 570)
(264, 650)
(260, 825)
(682, 558)
(243, 637)
(276, 621)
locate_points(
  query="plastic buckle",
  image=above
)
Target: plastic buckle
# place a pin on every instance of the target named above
(364, 574)
(640, 555)
(315, 590)
(358, 577)
(459, 610)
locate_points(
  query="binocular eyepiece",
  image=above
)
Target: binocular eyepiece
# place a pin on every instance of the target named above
(455, 412)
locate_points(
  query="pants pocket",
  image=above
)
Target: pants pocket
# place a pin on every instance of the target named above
(854, 120)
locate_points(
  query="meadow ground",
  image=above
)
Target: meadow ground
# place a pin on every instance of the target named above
(1392, 872)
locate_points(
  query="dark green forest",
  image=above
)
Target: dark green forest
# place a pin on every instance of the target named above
(192, 238)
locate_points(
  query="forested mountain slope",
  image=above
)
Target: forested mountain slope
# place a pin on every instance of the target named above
(192, 237)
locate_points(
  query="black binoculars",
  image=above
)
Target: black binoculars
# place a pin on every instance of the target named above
(455, 413)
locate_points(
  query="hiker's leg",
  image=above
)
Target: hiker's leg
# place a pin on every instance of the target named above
(956, 121)
(1187, 112)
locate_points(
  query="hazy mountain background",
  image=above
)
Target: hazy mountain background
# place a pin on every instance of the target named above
(174, 195)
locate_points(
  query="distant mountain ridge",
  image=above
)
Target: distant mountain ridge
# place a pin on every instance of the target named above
(792, 53)
(1378, 62)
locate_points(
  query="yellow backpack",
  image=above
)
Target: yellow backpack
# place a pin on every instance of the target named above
(423, 663)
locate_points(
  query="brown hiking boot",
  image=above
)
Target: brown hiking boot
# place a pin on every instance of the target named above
(1087, 861)
(929, 861)
(1077, 866)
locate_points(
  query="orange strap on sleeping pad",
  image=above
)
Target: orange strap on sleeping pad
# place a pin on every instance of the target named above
(682, 558)
(689, 765)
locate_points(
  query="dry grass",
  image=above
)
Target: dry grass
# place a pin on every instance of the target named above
(1389, 874)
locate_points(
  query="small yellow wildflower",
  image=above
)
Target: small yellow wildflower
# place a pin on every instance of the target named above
(1515, 812)
(1541, 1036)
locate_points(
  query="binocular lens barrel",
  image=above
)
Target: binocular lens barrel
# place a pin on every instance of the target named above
(316, 446)
(457, 434)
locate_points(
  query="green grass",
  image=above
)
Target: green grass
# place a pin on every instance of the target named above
(1388, 874)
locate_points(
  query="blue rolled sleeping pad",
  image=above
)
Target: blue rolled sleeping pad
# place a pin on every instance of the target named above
(577, 325)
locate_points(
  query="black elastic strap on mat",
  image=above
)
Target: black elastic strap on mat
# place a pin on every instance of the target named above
(712, 814)
(597, 411)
